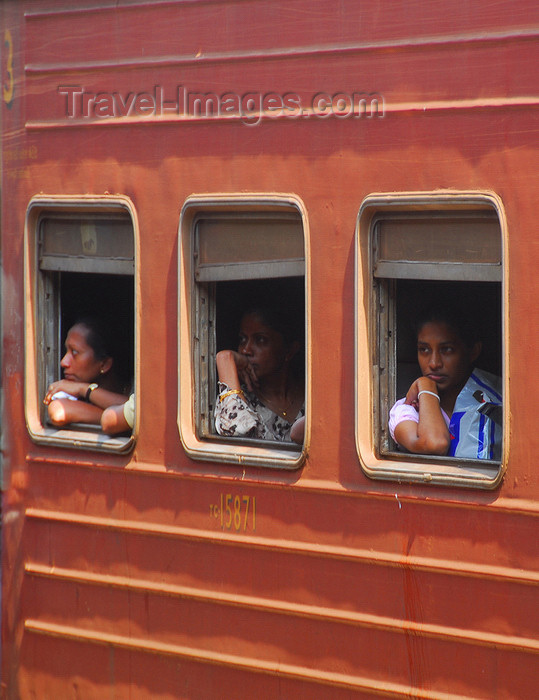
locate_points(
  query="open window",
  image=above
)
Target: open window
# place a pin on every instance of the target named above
(79, 262)
(411, 249)
(234, 252)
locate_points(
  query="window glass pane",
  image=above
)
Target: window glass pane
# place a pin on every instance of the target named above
(248, 248)
(68, 243)
(464, 240)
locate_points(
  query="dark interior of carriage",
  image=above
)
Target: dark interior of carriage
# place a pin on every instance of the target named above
(109, 298)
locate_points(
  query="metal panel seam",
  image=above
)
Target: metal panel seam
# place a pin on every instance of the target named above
(293, 52)
(301, 673)
(271, 544)
(315, 612)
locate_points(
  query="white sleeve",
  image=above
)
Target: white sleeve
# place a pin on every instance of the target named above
(129, 411)
(399, 413)
(63, 395)
(234, 415)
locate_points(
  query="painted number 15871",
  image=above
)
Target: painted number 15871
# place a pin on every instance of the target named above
(235, 512)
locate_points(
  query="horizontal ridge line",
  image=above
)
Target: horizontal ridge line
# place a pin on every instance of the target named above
(283, 53)
(280, 607)
(260, 666)
(301, 548)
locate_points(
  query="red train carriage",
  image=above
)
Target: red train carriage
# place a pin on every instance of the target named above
(167, 162)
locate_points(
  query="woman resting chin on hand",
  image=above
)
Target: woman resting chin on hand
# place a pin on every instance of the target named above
(260, 395)
(451, 408)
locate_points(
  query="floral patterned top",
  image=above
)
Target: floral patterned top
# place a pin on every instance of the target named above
(245, 415)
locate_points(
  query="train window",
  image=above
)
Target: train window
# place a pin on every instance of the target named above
(235, 253)
(415, 253)
(79, 263)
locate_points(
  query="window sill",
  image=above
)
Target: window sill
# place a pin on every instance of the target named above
(81, 437)
(443, 471)
(243, 451)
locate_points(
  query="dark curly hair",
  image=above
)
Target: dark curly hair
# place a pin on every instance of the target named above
(99, 336)
(455, 315)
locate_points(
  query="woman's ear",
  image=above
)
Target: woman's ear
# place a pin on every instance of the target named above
(106, 365)
(476, 350)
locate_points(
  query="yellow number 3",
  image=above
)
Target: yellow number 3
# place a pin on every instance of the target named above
(8, 87)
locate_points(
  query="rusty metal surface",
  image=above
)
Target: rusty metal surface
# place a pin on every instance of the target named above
(121, 578)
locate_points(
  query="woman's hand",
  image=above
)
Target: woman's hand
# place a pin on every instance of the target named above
(234, 369)
(411, 395)
(76, 389)
(246, 372)
(420, 384)
(430, 435)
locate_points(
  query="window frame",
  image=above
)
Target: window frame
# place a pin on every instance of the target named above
(373, 358)
(39, 364)
(192, 374)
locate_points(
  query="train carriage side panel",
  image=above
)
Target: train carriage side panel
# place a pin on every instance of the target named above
(152, 568)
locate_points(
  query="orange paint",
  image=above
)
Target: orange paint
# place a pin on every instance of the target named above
(123, 573)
